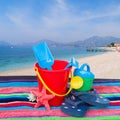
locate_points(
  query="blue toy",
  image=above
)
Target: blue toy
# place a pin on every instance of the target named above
(72, 62)
(86, 75)
(43, 56)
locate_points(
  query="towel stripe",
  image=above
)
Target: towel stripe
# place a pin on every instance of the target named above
(35, 83)
(117, 117)
(13, 98)
(107, 89)
(27, 94)
(30, 113)
(17, 84)
(109, 95)
(103, 112)
(14, 95)
(8, 90)
(107, 84)
(28, 105)
(17, 103)
(39, 113)
(19, 87)
(100, 89)
(115, 103)
(25, 105)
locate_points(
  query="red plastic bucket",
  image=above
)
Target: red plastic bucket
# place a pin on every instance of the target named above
(56, 80)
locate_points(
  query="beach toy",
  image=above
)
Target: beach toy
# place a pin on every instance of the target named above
(76, 82)
(72, 62)
(86, 75)
(43, 55)
(42, 98)
(55, 81)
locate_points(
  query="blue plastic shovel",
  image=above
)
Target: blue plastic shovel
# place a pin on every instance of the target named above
(43, 55)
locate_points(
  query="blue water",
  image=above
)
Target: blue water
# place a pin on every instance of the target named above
(21, 57)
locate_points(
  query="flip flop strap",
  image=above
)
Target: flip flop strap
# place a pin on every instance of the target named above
(71, 102)
(77, 93)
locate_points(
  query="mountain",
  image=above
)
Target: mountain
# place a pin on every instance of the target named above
(50, 43)
(4, 44)
(96, 41)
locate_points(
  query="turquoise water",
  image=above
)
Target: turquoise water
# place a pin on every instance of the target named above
(21, 57)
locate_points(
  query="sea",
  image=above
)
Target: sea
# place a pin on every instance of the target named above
(14, 58)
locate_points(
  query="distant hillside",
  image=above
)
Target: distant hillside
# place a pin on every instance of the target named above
(50, 43)
(4, 44)
(96, 41)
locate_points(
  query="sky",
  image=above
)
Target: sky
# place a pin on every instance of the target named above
(58, 20)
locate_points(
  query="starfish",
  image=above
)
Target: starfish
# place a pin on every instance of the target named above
(42, 98)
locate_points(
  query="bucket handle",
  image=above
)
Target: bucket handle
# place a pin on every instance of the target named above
(45, 85)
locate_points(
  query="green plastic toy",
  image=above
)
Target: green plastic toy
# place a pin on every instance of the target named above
(86, 75)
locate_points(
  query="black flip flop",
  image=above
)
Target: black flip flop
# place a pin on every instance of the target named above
(74, 106)
(92, 98)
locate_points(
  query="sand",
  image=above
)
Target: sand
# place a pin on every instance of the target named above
(106, 65)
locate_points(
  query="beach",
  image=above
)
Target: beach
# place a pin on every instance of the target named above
(106, 65)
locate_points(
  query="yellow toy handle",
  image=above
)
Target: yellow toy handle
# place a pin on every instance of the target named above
(45, 85)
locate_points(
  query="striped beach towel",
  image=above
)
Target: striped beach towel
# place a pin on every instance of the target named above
(18, 88)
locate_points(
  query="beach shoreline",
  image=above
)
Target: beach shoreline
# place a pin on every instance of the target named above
(105, 65)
